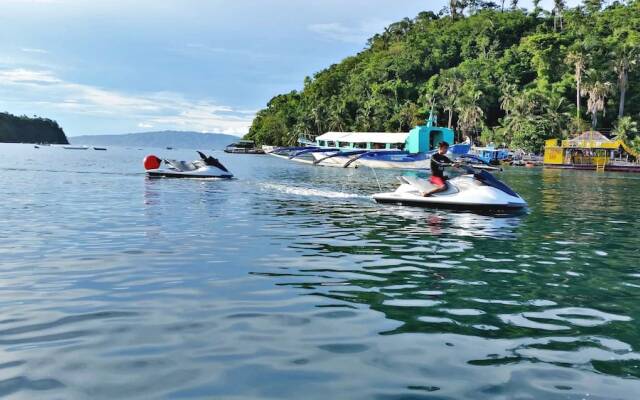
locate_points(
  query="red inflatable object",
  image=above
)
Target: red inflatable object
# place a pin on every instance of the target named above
(151, 162)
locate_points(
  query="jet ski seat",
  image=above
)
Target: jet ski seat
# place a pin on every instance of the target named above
(424, 185)
(182, 166)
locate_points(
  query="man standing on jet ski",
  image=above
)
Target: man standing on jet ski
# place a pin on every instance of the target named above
(438, 161)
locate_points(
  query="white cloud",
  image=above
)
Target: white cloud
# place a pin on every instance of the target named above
(33, 50)
(350, 34)
(26, 76)
(164, 110)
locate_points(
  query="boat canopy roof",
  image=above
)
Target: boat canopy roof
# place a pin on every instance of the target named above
(594, 138)
(365, 137)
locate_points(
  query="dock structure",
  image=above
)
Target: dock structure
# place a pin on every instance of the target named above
(591, 150)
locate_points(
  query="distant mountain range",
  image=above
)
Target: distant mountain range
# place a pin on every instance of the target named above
(176, 139)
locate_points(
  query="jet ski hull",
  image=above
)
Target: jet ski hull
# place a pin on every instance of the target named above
(462, 193)
(425, 202)
(197, 174)
(205, 168)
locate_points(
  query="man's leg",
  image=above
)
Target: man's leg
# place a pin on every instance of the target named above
(439, 183)
(435, 190)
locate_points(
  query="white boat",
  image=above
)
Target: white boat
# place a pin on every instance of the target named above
(75, 147)
(389, 150)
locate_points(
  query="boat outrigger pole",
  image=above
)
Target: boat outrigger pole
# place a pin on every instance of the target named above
(306, 151)
(340, 154)
(356, 158)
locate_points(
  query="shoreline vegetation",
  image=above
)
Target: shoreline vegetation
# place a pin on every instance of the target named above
(23, 129)
(494, 71)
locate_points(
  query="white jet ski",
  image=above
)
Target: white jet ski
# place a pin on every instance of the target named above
(475, 190)
(206, 167)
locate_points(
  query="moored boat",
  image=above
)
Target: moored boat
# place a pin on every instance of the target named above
(591, 151)
(243, 147)
(397, 150)
(490, 154)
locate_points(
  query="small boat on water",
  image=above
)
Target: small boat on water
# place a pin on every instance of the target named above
(243, 147)
(75, 147)
(206, 167)
(397, 150)
(100, 148)
(490, 154)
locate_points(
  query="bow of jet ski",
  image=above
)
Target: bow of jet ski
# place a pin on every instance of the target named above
(206, 167)
(475, 190)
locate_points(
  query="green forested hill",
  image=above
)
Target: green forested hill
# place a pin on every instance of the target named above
(497, 75)
(14, 129)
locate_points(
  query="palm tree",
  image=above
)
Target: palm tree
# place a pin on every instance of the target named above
(451, 82)
(558, 8)
(408, 116)
(536, 7)
(453, 8)
(522, 116)
(597, 90)
(470, 114)
(318, 117)
(579, 61)
(555, 114)
(593, 6)
(365, 116)
(335, 120)
(625, 58)
(508, 97)
(625, 129)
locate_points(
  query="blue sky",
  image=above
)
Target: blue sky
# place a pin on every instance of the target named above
(118, 66)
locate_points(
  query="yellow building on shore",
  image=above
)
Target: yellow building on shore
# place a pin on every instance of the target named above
(591, 151)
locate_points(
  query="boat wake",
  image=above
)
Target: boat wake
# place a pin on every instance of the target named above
(310, 192)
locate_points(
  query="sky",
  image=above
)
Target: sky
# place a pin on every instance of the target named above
(121, 66)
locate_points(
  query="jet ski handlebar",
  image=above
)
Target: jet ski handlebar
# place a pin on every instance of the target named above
(469, 167)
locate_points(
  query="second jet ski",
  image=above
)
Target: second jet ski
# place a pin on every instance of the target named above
(475, 190)
(205, 167)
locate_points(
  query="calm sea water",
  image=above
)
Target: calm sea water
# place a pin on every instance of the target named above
(289, 283)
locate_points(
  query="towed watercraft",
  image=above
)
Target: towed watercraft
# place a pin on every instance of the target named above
(205, 167)
(475, 190)
(387, 150)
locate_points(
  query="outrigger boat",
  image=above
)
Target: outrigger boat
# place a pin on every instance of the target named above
(399, 150)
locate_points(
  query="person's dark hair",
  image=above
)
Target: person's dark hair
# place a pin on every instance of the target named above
(443, 144)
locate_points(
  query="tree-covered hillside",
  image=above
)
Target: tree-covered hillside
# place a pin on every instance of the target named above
(14, 129)
(492, 71)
